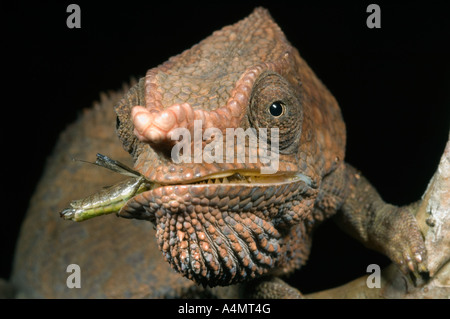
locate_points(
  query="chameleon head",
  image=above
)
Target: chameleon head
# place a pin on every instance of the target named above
(223, 221)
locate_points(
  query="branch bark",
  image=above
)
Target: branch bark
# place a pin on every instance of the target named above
(433, 217)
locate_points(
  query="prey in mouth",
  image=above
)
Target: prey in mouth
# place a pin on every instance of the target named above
(111, 199)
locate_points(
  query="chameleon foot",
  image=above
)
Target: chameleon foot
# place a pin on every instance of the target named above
(402, 241)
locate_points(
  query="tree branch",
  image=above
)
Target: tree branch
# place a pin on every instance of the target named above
(433, 217)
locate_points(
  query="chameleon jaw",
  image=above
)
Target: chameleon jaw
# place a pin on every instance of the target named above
(219, 233)
(243, 177)
(219, 229)
(113, 199)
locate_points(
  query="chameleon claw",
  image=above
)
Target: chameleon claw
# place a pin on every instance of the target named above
(411, 266)
(418, 258)
(423, 269)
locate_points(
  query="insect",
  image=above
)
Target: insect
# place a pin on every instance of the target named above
(110, 199)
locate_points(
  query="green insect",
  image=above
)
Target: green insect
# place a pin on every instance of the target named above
(108, 200)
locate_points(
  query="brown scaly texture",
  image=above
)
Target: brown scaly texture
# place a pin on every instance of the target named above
(214, 232)
(223, 232)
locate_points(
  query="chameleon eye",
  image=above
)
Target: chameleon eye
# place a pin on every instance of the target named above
(274, 102)
(276, 109)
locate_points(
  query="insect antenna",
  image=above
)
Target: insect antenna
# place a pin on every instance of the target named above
(113, 165)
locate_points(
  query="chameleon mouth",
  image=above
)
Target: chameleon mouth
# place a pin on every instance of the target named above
(242, 178)
(113, 199)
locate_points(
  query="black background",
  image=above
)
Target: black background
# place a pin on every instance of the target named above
(393, 86)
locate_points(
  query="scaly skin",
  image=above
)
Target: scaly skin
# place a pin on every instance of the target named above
(214, 234)
(224, 232)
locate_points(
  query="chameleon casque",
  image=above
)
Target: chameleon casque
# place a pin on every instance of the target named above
(220, 224)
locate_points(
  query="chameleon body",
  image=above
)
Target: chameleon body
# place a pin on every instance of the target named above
(220, 224)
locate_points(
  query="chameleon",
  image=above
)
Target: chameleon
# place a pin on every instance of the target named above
(221, 223)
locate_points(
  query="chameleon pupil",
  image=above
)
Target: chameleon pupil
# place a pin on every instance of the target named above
(276, 109)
